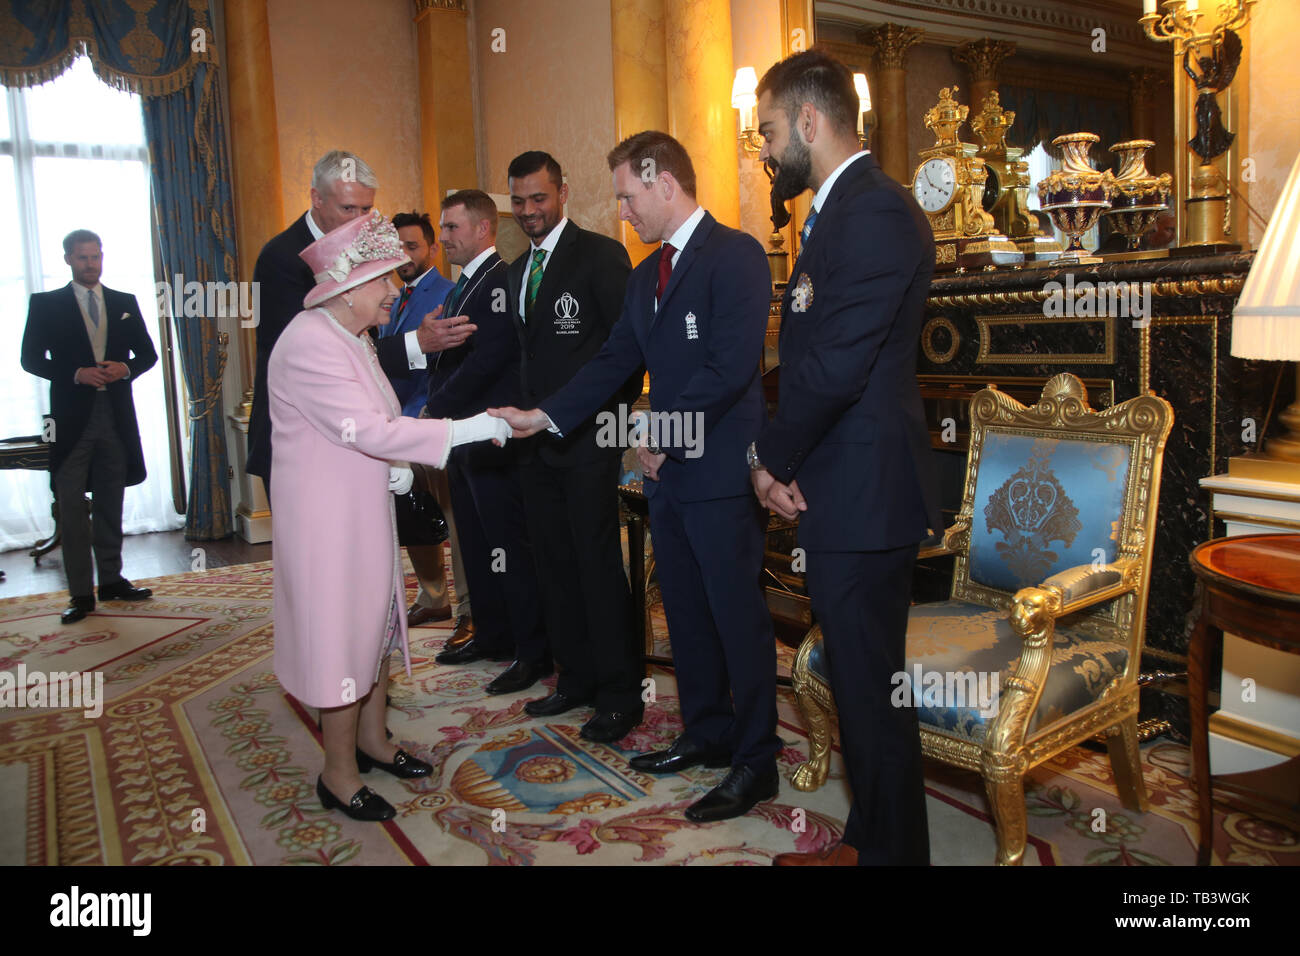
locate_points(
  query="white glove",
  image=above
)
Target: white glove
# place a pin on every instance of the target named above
(400, 479)
(482, 427)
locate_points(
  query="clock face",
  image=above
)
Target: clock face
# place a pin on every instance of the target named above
(991, 190)
(935, 185)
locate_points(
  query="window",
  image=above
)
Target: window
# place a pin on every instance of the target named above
(73, 156)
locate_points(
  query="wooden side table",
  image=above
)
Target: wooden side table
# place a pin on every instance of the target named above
(1250, 586)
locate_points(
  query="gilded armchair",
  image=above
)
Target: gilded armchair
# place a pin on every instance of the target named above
(1039, 644)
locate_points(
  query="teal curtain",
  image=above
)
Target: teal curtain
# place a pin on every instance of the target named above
(1042, 115)
(165, 51)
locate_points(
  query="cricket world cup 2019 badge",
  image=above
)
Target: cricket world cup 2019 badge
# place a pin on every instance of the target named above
(566, 315)
(691, 331)
(802, 295)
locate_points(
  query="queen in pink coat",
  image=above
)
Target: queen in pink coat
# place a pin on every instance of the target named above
(341, 449)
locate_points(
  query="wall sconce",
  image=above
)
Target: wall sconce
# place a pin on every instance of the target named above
(745, 99)
(864, 106)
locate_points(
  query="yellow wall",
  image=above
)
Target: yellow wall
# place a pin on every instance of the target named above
(756, 42)
(345, 78)
(551, 89)
(1273, 136)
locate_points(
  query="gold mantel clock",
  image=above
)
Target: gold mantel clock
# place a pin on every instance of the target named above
(949, 187)
(1006, 191)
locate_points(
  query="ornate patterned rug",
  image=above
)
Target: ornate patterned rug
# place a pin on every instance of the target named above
(199, 757)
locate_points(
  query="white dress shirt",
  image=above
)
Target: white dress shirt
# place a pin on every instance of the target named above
(547, 245)
(819, 200)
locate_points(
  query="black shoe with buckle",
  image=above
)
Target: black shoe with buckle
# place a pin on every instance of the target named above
(404, 766)
(365, 805)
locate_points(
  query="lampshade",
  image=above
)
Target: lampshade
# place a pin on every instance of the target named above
(1266, 320)
(864, 94)
(743, 87)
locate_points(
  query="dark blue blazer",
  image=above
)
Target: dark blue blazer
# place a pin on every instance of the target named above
(484, 372)
(849, 426)
(722, 282)
(411, 385)
(55, 345)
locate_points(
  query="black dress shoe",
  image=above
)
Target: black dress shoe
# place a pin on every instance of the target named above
(123, 590)
(735, 796)
(461, 634)
(365, 804)
(77, 608)
(470, 652)
(607, 726)
(682, 755)
(520, 675)
(403, 766)
(556, 703)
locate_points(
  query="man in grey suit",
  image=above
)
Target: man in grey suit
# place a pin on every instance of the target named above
(91, 343)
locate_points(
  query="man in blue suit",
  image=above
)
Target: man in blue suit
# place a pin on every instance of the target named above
(401, 346)
(848, 451)
(695, 315)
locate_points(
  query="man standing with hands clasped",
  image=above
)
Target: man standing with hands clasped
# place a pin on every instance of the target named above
(694, 314)
(848, 451)
(91, 343)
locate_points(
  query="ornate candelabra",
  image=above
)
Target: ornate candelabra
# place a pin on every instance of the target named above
(1209, 57)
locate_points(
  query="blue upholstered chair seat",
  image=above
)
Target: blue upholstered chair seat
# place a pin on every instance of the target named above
(960, 637)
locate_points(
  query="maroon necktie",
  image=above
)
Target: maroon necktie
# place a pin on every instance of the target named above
(665, 268)
(401, 300)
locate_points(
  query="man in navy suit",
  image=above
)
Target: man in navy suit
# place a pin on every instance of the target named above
(567, 290)
(401, 346)
(695, 315)
(91, 343)
(342, 188)
(848, 451)
(485, 494)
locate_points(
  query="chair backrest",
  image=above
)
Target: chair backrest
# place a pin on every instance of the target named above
(1056, 486)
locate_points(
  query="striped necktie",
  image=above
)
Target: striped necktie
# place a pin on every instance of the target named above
(808, 226)
(534, 281)
(402, 300)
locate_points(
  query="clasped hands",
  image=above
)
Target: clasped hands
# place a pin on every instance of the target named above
(785, 500)
(437, 334)
(101, 373)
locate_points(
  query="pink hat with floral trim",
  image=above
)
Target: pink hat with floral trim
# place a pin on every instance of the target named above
(351, 255)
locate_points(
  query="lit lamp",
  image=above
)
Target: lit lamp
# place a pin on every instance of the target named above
(864, 106)
(1266, 325)
(745, 99)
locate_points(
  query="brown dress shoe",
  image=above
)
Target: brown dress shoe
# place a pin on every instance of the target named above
(462, 635)
(418, 615)
(841, 854)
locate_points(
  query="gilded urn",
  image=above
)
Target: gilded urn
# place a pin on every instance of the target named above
(1076, 194)
(1138, 197)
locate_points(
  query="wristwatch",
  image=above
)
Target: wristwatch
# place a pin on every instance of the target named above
(751, 456)
(652, 445)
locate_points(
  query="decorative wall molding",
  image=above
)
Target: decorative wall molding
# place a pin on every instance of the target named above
(1045, 26)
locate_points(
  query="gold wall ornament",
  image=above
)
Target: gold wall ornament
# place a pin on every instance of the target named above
(1209, 57)
(937, 324)
(948, 184)
(1076, 194)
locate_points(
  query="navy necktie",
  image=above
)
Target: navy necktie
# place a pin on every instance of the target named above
(808, 226)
